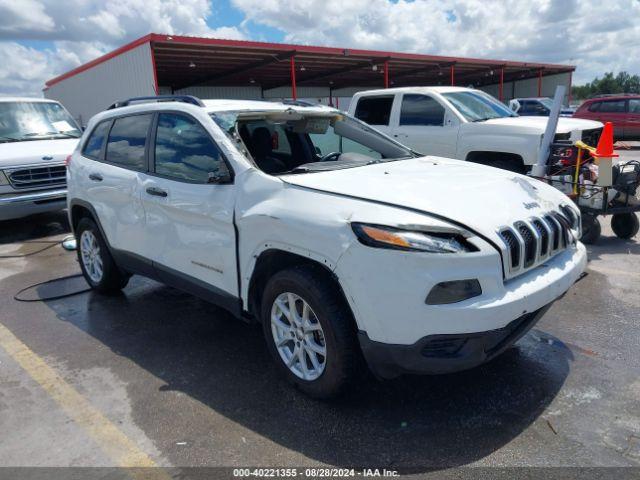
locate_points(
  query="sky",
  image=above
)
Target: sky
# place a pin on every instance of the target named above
(40, 39)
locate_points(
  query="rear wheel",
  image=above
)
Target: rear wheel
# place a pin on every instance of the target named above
(625, 225)
(309, 331)
(96, 263)
(591, 229)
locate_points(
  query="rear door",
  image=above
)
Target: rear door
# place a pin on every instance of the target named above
(614, 111)
(632, 127)
(190, 226)
(425, 125)
(376, 111)
(112, 178)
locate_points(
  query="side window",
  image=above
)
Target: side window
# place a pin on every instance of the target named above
(595, 107)
(185, 151)
(421, 110)
(374, 110)
(127, 141)
(93, 146)
(613, 106)
(634, 105)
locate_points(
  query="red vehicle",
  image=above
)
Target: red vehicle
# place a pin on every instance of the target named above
(622, 110)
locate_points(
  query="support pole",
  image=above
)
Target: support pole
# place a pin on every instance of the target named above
(501, 85)
(569, 95)
(294, 93)
(540, 168)
(330, 97)
(386, 73)
(540, 82)
(453, 73)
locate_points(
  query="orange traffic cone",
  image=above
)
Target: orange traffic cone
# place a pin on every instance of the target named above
(605, 144)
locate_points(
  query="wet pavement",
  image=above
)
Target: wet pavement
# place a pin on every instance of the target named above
(190, 386)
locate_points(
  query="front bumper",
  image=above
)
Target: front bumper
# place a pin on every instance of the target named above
(438, 354)
(22, 204)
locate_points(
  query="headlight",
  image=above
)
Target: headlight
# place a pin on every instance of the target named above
(389, 237)
(3, 178)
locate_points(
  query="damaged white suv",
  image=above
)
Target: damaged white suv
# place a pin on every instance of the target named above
(340, 241)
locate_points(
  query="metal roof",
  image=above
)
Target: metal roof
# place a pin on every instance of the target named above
(182, 61)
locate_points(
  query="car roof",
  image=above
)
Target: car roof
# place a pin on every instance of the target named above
(27, 99)
(440, 89)
(212, 106)
(621, 96)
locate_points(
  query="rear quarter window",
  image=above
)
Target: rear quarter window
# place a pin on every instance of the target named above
(93, 145)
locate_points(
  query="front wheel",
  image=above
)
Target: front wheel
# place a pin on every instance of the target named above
(625, 225)
(309, 331)
(96, 263)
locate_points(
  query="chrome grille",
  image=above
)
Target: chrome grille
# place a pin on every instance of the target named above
(530, 242)
(30, 177)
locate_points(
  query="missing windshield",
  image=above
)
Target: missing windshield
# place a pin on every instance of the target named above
(293, 142)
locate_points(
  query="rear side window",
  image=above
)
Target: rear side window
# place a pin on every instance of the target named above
(93, 147)
(595, 107)
(374, 110)
(127, 141)
(185, 151)
(634, 105)
(613, 106)
(421, 110)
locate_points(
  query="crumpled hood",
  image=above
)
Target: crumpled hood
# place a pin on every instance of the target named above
(482, 198)
(23, 153)
(565, 124)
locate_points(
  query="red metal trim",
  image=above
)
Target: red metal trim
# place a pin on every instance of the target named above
(155, 71)
(302, 49)
(453, 73)
(501, 85)
(540, 82)
(102, 59)
(386, 73)
(292, 62)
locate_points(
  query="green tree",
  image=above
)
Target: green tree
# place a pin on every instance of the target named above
(623, 82)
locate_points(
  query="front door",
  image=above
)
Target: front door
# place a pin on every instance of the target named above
(189, 212)
(425, 125)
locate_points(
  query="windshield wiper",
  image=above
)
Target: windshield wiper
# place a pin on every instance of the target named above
(44, 134)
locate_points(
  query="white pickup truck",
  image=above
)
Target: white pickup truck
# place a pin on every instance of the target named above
(465, 124)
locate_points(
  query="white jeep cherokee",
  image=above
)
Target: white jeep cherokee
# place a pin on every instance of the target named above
(467, 124)
(36, 137)
(339, 240)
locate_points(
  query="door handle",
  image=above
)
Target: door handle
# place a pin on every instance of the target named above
(157, 192)
(96, 177)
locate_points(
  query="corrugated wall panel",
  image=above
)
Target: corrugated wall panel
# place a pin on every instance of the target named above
(232, 92)
(91, 91)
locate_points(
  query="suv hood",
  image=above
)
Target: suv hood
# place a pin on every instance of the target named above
(565, 125)
(32, 152)
(482, 198)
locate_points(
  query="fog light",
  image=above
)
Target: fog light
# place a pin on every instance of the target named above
(454, 291)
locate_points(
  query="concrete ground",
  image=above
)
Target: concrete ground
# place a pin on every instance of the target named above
(156, 377)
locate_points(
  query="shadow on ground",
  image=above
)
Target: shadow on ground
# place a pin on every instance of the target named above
(412, 423)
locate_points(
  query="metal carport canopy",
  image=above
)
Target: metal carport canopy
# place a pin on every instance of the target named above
(182, 61)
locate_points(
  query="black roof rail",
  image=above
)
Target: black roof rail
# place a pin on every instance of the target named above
(159, 98)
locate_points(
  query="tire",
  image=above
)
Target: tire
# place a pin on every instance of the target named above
(342, 359)
(625, 225)
(107, 278)
(591, 229)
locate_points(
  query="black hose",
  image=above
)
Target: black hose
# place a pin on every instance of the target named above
(17, 298)
(49, 244)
